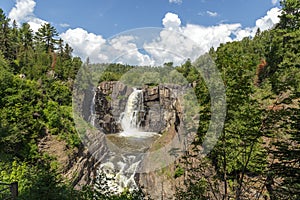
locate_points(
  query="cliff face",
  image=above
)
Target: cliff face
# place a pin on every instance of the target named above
(77, 165)
(162, 107)
(159, 106)
(162, 113)
(110, 102)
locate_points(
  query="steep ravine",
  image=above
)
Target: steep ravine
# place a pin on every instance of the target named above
(162, 113)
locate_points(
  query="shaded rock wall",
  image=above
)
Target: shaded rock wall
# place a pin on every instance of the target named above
(77, 165)
(110, 102)
(160, 106)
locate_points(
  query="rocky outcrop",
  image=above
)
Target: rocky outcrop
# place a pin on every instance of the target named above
(157, 181)
(77, 165)
(110, 102)
(162, 107)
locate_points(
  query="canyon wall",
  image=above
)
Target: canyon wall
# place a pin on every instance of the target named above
(161, 106)
(162, 113)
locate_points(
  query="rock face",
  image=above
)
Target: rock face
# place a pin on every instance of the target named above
(110, 102)
(162, 113)
(77, 165)
(161, 106)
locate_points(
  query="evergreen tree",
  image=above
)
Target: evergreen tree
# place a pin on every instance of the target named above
(25, 52)
(290, 16)
(46, 36)
(5, 39)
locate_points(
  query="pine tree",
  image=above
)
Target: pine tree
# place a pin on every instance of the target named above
(5, 39)
(290, 16)
(46, 36)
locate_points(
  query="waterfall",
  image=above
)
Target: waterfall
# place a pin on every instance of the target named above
(117, 174)
(118, 170)
(130, 119)
(92, 116)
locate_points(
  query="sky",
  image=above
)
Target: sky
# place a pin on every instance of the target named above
(119, 30)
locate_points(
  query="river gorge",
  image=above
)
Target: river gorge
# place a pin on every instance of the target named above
(137, 132)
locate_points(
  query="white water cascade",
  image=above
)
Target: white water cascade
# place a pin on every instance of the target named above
(118, 171)
(92, 116)
(131, 118)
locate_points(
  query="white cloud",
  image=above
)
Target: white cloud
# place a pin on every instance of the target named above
(171, 21)
(123, 49)
(23, 11)
(264, 23)
(269, 20)
(175, 43)
(36, 23)
(175, 1)
(212, 36)
(212, 14)
(120, 49)
(84, 44)
(64, 25)
(172, 46)
(191, 40)
(274, 2)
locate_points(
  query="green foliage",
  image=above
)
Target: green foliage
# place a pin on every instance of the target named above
(290, 16)
(39, 181)
(33, 105)
(178, 172)
(242, 151)
(194, 191)
(261, 124)
(46, 37)
(114, 72)
(125, 195)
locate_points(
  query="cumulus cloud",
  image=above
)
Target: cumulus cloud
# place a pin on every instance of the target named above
(83, 43)
(212, 14)
(175, 1)
(171, 21)
(212, 36)
(191, 40)
(175, 43)
(23, 11)
(121, 49)
(264, 23)
(36, 23)
(269, 20)
(172, 46)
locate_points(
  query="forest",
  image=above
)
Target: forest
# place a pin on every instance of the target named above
(256, 156)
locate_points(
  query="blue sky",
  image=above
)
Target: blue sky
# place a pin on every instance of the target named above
(98, 20)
